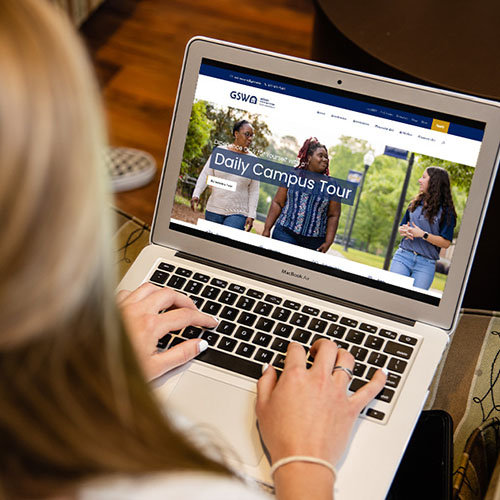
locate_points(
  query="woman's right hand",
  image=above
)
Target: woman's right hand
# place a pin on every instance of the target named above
(266, 233)
(194, 203)
(308, 411)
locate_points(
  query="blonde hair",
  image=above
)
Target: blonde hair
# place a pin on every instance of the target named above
(74, 404)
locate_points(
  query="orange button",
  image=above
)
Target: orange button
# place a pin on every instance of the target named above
(440, 126)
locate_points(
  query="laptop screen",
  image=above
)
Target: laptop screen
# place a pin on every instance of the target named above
(355, 187)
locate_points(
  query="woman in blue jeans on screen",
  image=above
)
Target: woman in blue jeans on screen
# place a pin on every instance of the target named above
(302, 218)
(427, 227)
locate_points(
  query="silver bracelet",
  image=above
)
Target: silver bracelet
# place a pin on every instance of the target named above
(301, 458)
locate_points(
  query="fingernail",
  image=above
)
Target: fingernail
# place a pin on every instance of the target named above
(385, 371)
(265, 367)
(202, 345)
(216, 319)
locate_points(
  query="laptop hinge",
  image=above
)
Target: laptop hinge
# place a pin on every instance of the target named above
(295, 288)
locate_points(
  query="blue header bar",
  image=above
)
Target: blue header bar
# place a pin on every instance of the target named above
(338, 101)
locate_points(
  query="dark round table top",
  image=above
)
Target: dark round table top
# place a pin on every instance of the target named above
(449, 43)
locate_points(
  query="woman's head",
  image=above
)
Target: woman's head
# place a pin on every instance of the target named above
(52, 191)
(435, 193)
(243, 135)
(313, 156)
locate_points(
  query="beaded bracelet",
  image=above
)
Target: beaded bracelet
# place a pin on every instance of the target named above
(301, 458)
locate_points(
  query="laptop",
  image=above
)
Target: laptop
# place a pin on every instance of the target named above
(380, 135)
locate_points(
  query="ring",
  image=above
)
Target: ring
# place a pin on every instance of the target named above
(344, 369)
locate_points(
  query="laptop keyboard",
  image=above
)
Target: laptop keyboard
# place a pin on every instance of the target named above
(255, 328)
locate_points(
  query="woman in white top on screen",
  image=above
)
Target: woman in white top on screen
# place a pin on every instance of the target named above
(78, 418)
(234, 208)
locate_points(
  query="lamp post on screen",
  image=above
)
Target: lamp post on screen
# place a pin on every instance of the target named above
(368, 159)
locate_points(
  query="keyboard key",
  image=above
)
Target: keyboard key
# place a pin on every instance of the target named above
(262, 339)
(166, 267)
(191, 332)
(237, 288)
(359, 369)
(273, 299)
(280, 345)
(329, 316)
(359, 353)
(399, 350)
(211, 308)
(163, 342)
(210, 292)
(176, 341)
(283, 330)
(317, 325)
(392, 380)
(397, 365)
(193, 287)
(226, 328)
(243, 333)
(302, 336)
(357, 384)
(247, 319)
(198, 301)
(231, 362)
(355, 337)
(263, 309)
(245, 349)
(318, 337)
(229, 313)
(408, 340)
(264, 356)
(368, 328)
(228, 298)
(281, 314)
(377, 359)
(388, 334)
(265, 324)
(159, 277)
(245, 303)
(227, 344)
(201, 277)
(349, 322)
(176, 282)
(183, 272)
(310, 310)
(336, 331)
(299, 319)
(342, 345)
(255, 293)
(210, 337)
(279, 361)
(373, 342)
(385, 395)
(291, 305)
(219, 283)
(376, 414)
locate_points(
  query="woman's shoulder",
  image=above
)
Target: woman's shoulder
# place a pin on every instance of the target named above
(192, 485)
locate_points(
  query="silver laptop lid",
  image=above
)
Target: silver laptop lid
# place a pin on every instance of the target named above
(380, 134)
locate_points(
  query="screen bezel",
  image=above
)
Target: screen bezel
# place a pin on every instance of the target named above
(446, 313)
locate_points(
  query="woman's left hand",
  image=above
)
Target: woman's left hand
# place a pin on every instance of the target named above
(324, 247)
(140, 310)
(414, 231)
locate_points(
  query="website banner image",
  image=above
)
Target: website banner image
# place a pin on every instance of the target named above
(292, 182)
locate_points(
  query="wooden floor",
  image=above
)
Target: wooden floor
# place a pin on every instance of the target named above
(137, 47)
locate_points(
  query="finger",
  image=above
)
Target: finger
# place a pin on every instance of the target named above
(179, 355)
(265, 386)
(366, 393)
(122, 295)
(141, 292)
(166, 298)
(324, 352)
(295, 356)
(346, 360)
(176, 319)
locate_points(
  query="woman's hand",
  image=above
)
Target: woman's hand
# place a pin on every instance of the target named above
(266, 233)
(308, 411)
(248, 224)
(194, 203)
(140, 310)
(324, 247)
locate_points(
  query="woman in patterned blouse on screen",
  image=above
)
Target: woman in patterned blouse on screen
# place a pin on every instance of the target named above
(300, 217)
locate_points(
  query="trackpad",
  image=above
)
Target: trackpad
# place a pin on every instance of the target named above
(228, 409)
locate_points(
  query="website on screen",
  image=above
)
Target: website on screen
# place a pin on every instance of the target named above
(363, 189)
